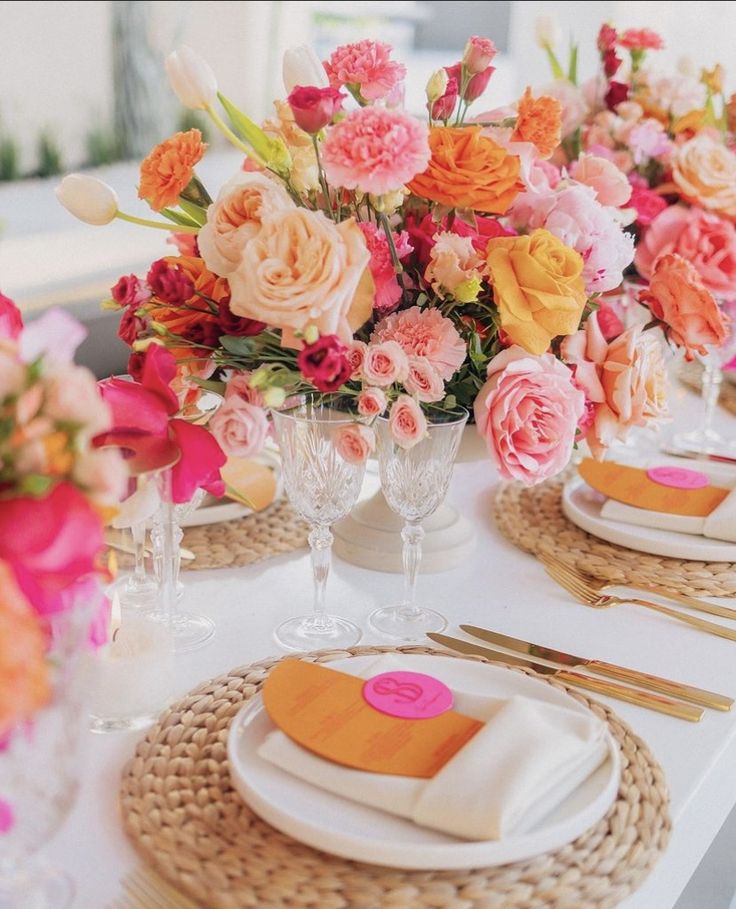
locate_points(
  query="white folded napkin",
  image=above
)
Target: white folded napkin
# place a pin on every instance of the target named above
(529, 757)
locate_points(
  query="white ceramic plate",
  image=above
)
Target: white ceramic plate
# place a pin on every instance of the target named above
(582, 505)
(354, 831)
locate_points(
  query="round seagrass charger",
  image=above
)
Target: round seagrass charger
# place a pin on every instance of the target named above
(187, 821)
(532, 518)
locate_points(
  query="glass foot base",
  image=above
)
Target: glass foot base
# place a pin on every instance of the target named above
(121, 724)
(191, 631)
(399, 622)
(36, 887)
(707, 441)
(308, 633)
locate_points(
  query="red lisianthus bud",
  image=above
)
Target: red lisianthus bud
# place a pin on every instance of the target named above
(617, 92)
(313, 107)
(611, 63)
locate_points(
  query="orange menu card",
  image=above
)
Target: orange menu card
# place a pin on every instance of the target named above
(323, 710)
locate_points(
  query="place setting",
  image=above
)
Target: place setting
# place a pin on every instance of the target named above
(373, 318)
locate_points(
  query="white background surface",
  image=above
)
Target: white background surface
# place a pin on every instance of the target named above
(499, 587)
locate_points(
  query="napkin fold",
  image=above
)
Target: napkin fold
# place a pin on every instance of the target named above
(528, 757)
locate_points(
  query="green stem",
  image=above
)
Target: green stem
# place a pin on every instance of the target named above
(322, 178)
(161, 225)
(231, 137)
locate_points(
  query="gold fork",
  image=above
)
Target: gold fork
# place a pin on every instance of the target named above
(144, 889)
(601, 586)
(589, 596)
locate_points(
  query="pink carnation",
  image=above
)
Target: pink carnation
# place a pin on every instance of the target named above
(527, 413)
(388, 290)
(425, 333)
(645, 201)
(375, 150)
(641, 39)
(365, 64)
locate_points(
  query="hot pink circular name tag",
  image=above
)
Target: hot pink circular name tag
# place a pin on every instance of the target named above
(678, 477)
(409, 695)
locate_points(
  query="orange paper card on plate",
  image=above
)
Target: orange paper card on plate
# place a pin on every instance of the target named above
(323, 710)
(632, 486)
(249, 482)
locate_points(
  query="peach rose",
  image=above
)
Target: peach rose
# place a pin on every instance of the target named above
(385, 363)
(678, 298)
(610, 185)
(624, 380)
(354, 442)
(423, 381)
(468, 170)
(527, 413)
(407, 423)
(236, 217)
(704, 171)
(300, 270)
(372, 402)
(240, 428)
(538, 287)
(169, 168)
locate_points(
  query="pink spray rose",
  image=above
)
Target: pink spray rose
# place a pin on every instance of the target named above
(407, 423)
(11, 321)
(325, 363)
(240, 428)
(425, 333)
(528, 412)
(356, 355)
(478, 54)
(645, 201)
(372, 402)
(607, 182)
(354, 442)
(423, 381)
(385, 363)
(313, 107)
(365, 65)
(375, 150)
(388, 291)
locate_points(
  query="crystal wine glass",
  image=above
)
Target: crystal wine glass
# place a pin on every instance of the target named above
(322, 486)
(414, 481)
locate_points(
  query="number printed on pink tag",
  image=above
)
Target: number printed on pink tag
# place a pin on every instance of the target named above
(409, 695)
(678, 477)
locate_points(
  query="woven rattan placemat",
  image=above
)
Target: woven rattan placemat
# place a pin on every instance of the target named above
(184, 817)
(532, 518)
(690, 374)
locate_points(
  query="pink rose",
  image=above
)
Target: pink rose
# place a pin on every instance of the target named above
(366, 66)
(407, 423)
(313, 107)
(478, 54)
(130, 291)
(528, 412)
(423, 381)
(354, 442)
(647, 203)
(610, 186)
(356, 355)
(387, 289)
(385, 363)
(11, 321)
(325, 363)
(240, 428)
(425, 333)
(476, 85)
(704, 239)
(372, 402)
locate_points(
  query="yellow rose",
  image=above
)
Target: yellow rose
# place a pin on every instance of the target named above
(538, 287)
(704, 171)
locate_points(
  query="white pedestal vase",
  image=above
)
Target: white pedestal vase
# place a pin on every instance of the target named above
(370, 536)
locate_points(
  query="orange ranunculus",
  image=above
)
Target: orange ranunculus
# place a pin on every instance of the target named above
(678, 298)
(24, 681)
(468, 170)
(538, 287)
(704, 171)
(539, 122)
(169, 167)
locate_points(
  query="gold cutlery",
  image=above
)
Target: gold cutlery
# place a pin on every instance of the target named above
(144, 889)
(601, 586)
(587, 595)
(600, 686)
(610, 670)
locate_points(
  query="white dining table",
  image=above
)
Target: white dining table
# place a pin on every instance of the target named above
(500, 587)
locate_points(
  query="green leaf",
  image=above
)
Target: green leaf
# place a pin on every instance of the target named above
(35, 484)
(572, 74)
(554, 63)
(271, 152)
(179, 218)
(209, 384)
(197, 214)
(240, 346)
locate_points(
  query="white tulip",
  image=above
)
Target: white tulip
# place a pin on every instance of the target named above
(548, 31)
(88, 198)
(191, 78)
(302, 66)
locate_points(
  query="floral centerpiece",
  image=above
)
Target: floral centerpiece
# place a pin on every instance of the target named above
(407, 265)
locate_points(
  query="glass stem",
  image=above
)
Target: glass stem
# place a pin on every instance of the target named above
(412, 535)
(320, 541)
(138, 532)
(711, 389)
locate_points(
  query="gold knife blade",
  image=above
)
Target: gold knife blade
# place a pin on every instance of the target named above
(600, 686)
(610, 670)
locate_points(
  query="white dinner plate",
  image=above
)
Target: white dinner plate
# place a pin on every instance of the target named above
(582, 505)
(354, 831)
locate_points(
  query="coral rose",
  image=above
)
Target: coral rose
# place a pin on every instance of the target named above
(468, 170)
(527, 413)
(354, 442)
(301, 270)
(407, 423)
(705, 240)
(704, 171)
(169, 168)
(538, 287)
(425, 333)
(678, 298)
(235, 218)
(624, 380)
(539, 121)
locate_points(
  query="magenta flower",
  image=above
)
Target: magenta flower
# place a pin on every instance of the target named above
(388, 291)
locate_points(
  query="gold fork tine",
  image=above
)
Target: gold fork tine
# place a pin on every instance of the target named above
(578, 589)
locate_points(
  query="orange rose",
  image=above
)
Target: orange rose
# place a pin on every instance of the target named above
(169, 168)
(678, 298)
(24, 682)
(468, 170)
(704, 171)
(539, 122)
(538, 287)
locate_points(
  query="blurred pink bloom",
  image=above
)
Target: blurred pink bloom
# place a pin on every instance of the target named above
(641, 39)
(365, 64)
(55, 336)
(647, 203)
(425, 333)
(648, 139)
(11, 321)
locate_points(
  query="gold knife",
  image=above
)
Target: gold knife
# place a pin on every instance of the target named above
(599, 686)
(611, 670)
